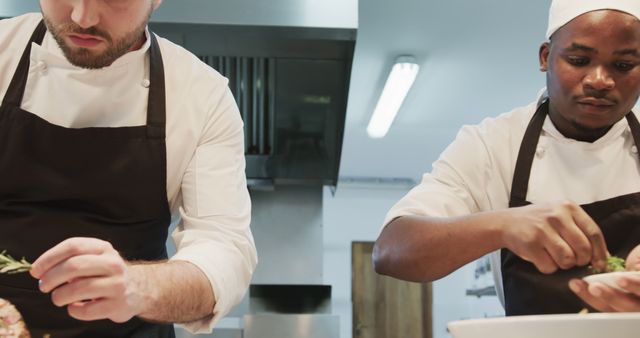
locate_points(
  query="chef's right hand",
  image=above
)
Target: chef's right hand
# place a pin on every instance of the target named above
(554, 236)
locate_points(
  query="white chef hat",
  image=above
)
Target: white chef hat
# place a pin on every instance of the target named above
(563, 11)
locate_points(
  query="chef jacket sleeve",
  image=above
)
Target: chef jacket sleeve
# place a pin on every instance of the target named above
(457, 184)
(214, 232)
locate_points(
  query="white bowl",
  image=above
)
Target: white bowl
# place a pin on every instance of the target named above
(590, 325)
(610, 278)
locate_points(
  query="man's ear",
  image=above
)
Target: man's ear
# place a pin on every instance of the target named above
(156, 4)
(545, 49)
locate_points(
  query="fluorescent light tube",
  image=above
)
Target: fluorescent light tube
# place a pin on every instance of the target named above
(400, 80)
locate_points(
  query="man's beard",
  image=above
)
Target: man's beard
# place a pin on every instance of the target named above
(86, 58)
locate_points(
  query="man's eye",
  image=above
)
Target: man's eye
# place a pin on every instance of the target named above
(624, 66)
(578, 61)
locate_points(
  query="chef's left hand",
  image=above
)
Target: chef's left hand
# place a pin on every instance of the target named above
(606, 299)
(89, 277)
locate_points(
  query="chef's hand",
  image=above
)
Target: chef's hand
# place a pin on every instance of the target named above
(632, 262)
(555, 236)
(90, 278)
(606, 299)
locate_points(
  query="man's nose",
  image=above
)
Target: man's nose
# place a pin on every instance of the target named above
(85, 13)
(599, 78)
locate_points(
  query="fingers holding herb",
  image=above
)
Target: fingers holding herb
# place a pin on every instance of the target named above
(91, 279)
(593, 234)
(558, 235)
(9, 265)
(614, 263)
(616, 292)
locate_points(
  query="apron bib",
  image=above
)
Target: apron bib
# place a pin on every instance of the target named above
(57, 183)
(528, 291)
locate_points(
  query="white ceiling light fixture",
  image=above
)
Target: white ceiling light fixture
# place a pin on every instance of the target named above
(398, 84)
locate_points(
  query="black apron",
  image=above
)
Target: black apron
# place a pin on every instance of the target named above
(57, 183)
(528, 291)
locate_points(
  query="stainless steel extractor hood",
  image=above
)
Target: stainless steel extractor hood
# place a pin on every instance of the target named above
(291, 86)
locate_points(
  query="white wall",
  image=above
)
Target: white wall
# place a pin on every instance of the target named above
(478, 59)
(9, 8)
(356, 213)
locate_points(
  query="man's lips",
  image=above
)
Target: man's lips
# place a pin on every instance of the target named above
(84, 40)
(596, 102)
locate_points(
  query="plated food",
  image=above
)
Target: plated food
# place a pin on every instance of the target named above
(11, 323)
(611, 278)
(614, 264)
(611, 274)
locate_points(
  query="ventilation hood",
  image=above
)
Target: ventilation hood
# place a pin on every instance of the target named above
(288, 63)
(291, 86)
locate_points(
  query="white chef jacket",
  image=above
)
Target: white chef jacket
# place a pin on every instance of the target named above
(475, 172)
(206, 185)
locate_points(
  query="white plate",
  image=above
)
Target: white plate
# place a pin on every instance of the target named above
(610, 278)
(591, 325)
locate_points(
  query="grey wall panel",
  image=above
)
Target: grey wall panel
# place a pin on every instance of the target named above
(291, 326)
(287, 226)
(9, 8)
(297, 13)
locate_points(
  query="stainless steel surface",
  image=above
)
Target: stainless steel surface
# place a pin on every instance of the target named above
(228, 327)
(217, 333)
(291, 87)
(291, 326)
(287, 227)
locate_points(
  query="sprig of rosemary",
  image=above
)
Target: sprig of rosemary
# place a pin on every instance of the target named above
(10, 265)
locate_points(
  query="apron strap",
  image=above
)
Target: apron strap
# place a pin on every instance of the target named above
(156, 105)
(520, 183)
(18, 83)
(635, 129)
(522, 173)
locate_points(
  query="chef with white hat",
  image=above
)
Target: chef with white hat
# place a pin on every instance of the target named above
(551, 189)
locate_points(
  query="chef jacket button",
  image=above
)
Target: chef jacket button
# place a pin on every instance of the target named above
(146, 83)
(539, 151)
(634, 149)
(41, 65)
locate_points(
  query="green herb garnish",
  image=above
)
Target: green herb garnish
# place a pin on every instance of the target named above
(10, 265)
(613, 264)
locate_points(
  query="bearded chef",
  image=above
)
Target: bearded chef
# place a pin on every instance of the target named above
(549, 188)
(107, 134)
